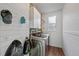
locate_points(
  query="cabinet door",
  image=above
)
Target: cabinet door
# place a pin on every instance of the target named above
(37, 19)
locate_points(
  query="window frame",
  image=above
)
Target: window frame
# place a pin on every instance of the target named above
(51, 24)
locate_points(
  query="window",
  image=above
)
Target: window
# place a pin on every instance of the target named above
(52, 23)
(52, 19)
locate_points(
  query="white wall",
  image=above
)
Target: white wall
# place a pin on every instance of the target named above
(56, 36)
(71, 29)
(10, 32)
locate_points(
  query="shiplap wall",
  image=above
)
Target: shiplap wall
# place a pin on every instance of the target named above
(10, 32)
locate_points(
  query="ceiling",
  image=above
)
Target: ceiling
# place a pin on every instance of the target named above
(48, 7)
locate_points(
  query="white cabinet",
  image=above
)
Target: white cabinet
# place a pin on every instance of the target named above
(35, 18)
